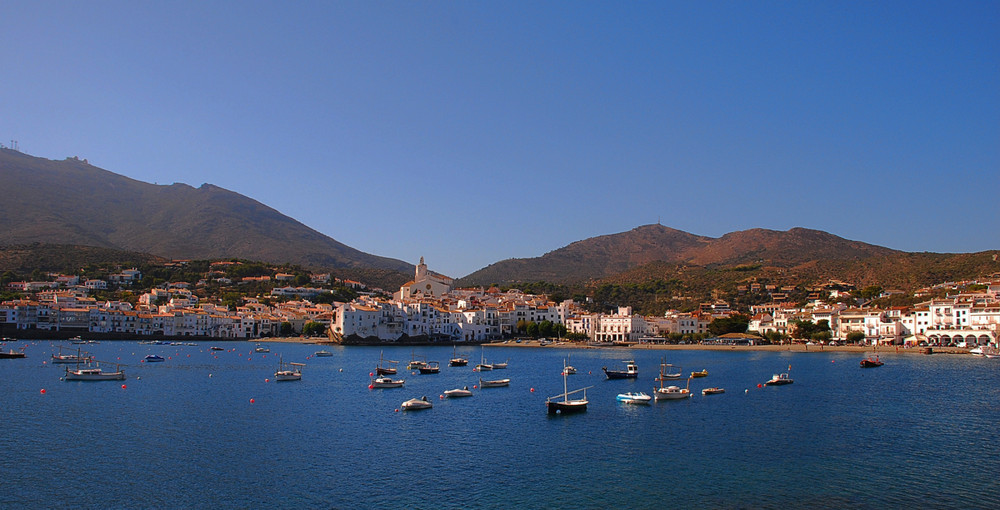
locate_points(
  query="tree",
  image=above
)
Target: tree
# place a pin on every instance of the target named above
(532, 330)
(855, 337)
(285, 329)
(313, 329)
(734, 324)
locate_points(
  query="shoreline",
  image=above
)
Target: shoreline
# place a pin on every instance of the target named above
(536, 344)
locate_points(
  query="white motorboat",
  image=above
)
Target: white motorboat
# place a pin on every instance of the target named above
(458, 392)
(779, 379)
(634, 397)
(415, 404)
(672, 393)
(323, 354)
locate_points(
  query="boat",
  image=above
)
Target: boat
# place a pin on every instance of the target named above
(77, 340)
(153, 358)
(500, 366)
(482, 362)
(456, 360)
(631, 371)
(382, 368)
(458, 392)
(288, 371)
(712, 391)
(703, 373)
(262, 348)
(431, 367)
(672, 392)
(779, 380)
(415, 404)
(567, 368)
(871, 362)
(12, 354)
(93, 372)
(986, 351)
(323, 354)
(634, 397)
(215, 348)
(386, 382)
(668, 372)
(415, 363)
(496, 383)
(567, 405)
(62, 359)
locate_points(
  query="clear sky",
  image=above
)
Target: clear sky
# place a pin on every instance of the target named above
(470, 132)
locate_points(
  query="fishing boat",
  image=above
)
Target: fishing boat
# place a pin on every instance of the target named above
(416, 404)
(672, 392)
(262, 348)
(779, 380)
(323, 354)
(567, 368)
(431, 367)
(152, 358)
(501, 366)
(871, 362)
(415, 363)
(62, 359)
(703, 373)
(634, 397)
(386, 382)
(93, 372)
(456, 360)
(77, 340)
(631, 371)
(12, 354)
(458, 392)
(496, 383)
(216, 348)
(712, 391)
(385, 366)
(668, 372)
(482, 361)
(288, 371)
(562, 403)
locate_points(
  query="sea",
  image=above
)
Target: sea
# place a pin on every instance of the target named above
(212, 429)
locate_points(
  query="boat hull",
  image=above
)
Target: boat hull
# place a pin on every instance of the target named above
(672, 395)
(620, 374)
(566, 407)
(94, 376)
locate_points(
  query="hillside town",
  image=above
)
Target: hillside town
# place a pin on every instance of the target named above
(429, 309)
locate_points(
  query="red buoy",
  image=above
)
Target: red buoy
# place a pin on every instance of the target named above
(43, 391)
(251, 401)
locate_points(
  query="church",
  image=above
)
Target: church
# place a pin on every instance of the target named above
(424, 284)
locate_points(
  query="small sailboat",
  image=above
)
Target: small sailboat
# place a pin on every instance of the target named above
(668, 372)
(567, 368)
(385, 366)
(562, 404)
(262, 349)
(288, 371)
(482, 362)
(672, 392)
(456, 360)
(79, 357)
(501, 366)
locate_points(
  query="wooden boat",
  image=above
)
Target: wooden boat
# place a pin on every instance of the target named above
(431, 367)
(712, 391)
(672, 392)
(288, 371)
(500, 366)
(482, 362)
(415, 363)
(779, 380)
(631, 371)
(496, 383)
(386, 382)
(323, 354)
(12, 354)
(668, 372)
(703, 373)
(871, 362)
(385, 366)
(63, 359)
(456, 360)
(634, 397)
(94, 372)
(458, 392)
(567, 368)
(416, 404)
(566, 405)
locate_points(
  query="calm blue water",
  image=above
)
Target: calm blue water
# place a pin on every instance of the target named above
(920, 431)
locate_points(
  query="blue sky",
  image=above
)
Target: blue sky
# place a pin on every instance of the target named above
(471, 132)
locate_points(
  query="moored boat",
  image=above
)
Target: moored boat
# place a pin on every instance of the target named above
(712, 391)
(567, 405)
(323, 354)
(871, 362)
(431, 367)
(415, 404)
(634, 397)
(668, 372)
(496, 383)
(385, 366)
(672, 392)
(631, 371)
(703, 373)
(94, 372)
(262, 349)
(779, 380)
(12, 354)
(456, 360)
(152, 358)
(288, 371)
(458, 392)
(386, 382)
